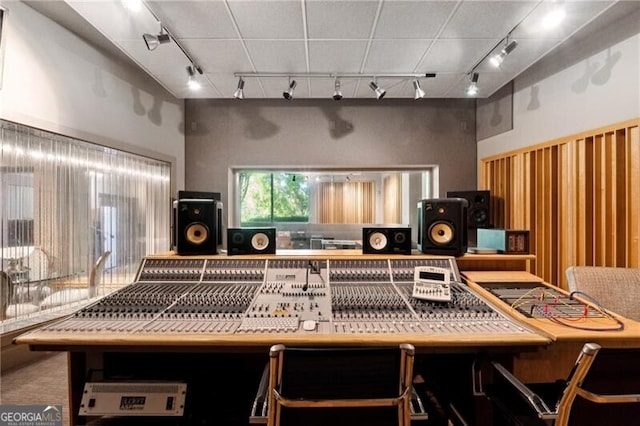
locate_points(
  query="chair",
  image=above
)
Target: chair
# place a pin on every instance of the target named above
(8, 307)
(616, 289)
(39, 265)
(603, 387)
(340, 386)
(71, 295)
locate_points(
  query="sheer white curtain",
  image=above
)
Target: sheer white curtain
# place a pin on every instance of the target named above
(73, 200)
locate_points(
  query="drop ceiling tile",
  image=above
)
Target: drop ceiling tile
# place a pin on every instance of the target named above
(195, 19)
(524, 55)
(340, 19)
(440, 86)
(412, 19)
(218, 55)
(336, 56)
(278, 56)
(455, 55)
(445, 37)
(268, 19)
(486, 19)
(395, 56)
(578, 13)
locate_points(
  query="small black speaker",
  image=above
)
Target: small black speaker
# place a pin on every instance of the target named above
(197, 226)
(442, 226)
(386, 240)
(251, 241)
(479, 210)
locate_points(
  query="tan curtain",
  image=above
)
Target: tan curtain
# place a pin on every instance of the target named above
(346, 202)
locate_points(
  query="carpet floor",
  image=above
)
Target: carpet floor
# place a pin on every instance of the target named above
(44, 382)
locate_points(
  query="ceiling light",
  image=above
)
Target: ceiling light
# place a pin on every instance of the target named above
(132, 5)
(553, 18)
(239, 93)
(288, 95)
(496, 60)
(380, 92)
(419, 92)
(337, 93)
(193, 83)
(153, 41)
(472, 88)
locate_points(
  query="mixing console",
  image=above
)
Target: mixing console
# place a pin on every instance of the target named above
(287, 295)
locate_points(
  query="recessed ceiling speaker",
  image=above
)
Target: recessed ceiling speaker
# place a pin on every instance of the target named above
(479, 211)
(251, 241)
(442, 226)
(197, 226)
(386, 240)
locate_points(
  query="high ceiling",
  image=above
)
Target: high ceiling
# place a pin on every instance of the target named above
(329, 37)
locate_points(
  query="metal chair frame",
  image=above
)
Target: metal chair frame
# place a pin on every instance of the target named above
(276, 400)
(559, 415)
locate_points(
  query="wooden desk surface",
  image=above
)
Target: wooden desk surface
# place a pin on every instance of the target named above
(576, 330)
(72, 341)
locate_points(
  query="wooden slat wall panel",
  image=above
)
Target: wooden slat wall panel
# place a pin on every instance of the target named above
(346, 202)
(579, 197)
(392, 189)
(632, 177)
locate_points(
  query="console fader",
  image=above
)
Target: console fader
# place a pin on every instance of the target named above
(188, 295)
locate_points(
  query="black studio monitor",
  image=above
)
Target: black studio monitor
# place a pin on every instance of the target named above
(442, 226)
(251, 241)
(386, 240)
(197, 226)
(479, 210)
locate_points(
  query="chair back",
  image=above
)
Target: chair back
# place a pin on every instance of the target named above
(331, 386)
(6, 294)
(616, 289)
(39, 264)
(97, 271)
(603, 388)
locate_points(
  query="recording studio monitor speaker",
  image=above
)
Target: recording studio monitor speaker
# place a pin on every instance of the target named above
(442, 226)
(197, 226)
(479, 211)
(251, 241)
(386, 240)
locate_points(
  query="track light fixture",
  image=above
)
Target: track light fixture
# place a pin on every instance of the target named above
(337, 93)
(419, 94)
(288, 94)
(472, 88)
(239, 93)
(193, 82)
(153, 41)
(380, 92)
(337, 79)
(165, 36)
(497, 60)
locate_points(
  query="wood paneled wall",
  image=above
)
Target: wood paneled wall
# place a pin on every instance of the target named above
(578, 196)
(346, 202)
(392, 199)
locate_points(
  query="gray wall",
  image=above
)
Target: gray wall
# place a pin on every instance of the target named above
(591, 81)
(55, 80)
(223, 134)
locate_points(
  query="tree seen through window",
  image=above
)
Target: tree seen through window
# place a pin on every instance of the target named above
(273, 197)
